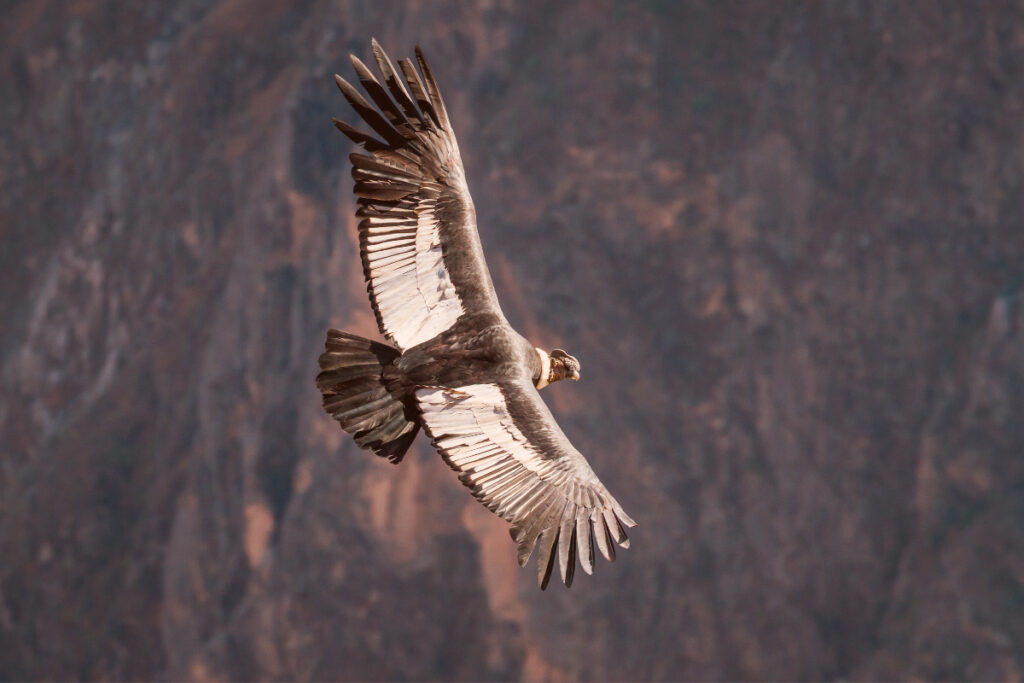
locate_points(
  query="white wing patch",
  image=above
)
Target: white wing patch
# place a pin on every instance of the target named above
(554, 496)
(407, 274)
(476, 426)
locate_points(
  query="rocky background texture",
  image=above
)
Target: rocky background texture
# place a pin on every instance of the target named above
(785, 239)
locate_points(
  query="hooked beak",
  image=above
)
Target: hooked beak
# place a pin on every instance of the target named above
(575, 376)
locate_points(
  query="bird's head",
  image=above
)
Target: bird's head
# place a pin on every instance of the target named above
(555, 366)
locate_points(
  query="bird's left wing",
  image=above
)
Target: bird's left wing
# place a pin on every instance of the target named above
(509, 451)
(421, 254)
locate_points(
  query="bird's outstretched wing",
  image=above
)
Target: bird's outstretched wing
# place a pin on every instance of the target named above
(418, 241)
(510, 452)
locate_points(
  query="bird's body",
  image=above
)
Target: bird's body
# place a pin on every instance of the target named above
(458, 369)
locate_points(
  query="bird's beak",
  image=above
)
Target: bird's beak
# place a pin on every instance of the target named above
(575, 377)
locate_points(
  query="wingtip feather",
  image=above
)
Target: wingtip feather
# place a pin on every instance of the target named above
(361, 69)
(603, 537)
(524, 549)
(623, 517)
(615, 529)
(585, 547)
(433, 90)
(546, 556)
(567, 549)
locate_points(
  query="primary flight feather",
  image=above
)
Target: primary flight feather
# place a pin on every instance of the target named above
(457, 369)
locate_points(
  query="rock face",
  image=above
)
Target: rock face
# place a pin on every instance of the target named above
(786, 242)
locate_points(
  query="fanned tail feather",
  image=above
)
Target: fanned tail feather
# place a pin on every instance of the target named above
(364, 392)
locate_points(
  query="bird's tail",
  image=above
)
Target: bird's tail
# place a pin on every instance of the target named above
(364, 391)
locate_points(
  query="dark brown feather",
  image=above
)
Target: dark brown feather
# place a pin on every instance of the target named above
(433, 91)
(382, 191)
(357, 136)
(394, 83)
(372, 117)
(412, 77)
(378, 166)
(383, 100)
(546, 556)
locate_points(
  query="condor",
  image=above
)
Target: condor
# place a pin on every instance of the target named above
(457, 368)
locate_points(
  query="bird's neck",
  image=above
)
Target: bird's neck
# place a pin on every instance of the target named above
(545, 367)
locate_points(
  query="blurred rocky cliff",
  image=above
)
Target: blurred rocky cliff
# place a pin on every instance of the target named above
(786, 241)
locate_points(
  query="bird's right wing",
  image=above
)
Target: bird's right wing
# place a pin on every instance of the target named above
(509, 451)
(421, 254)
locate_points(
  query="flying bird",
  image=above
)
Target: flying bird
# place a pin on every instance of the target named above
(457, 368)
